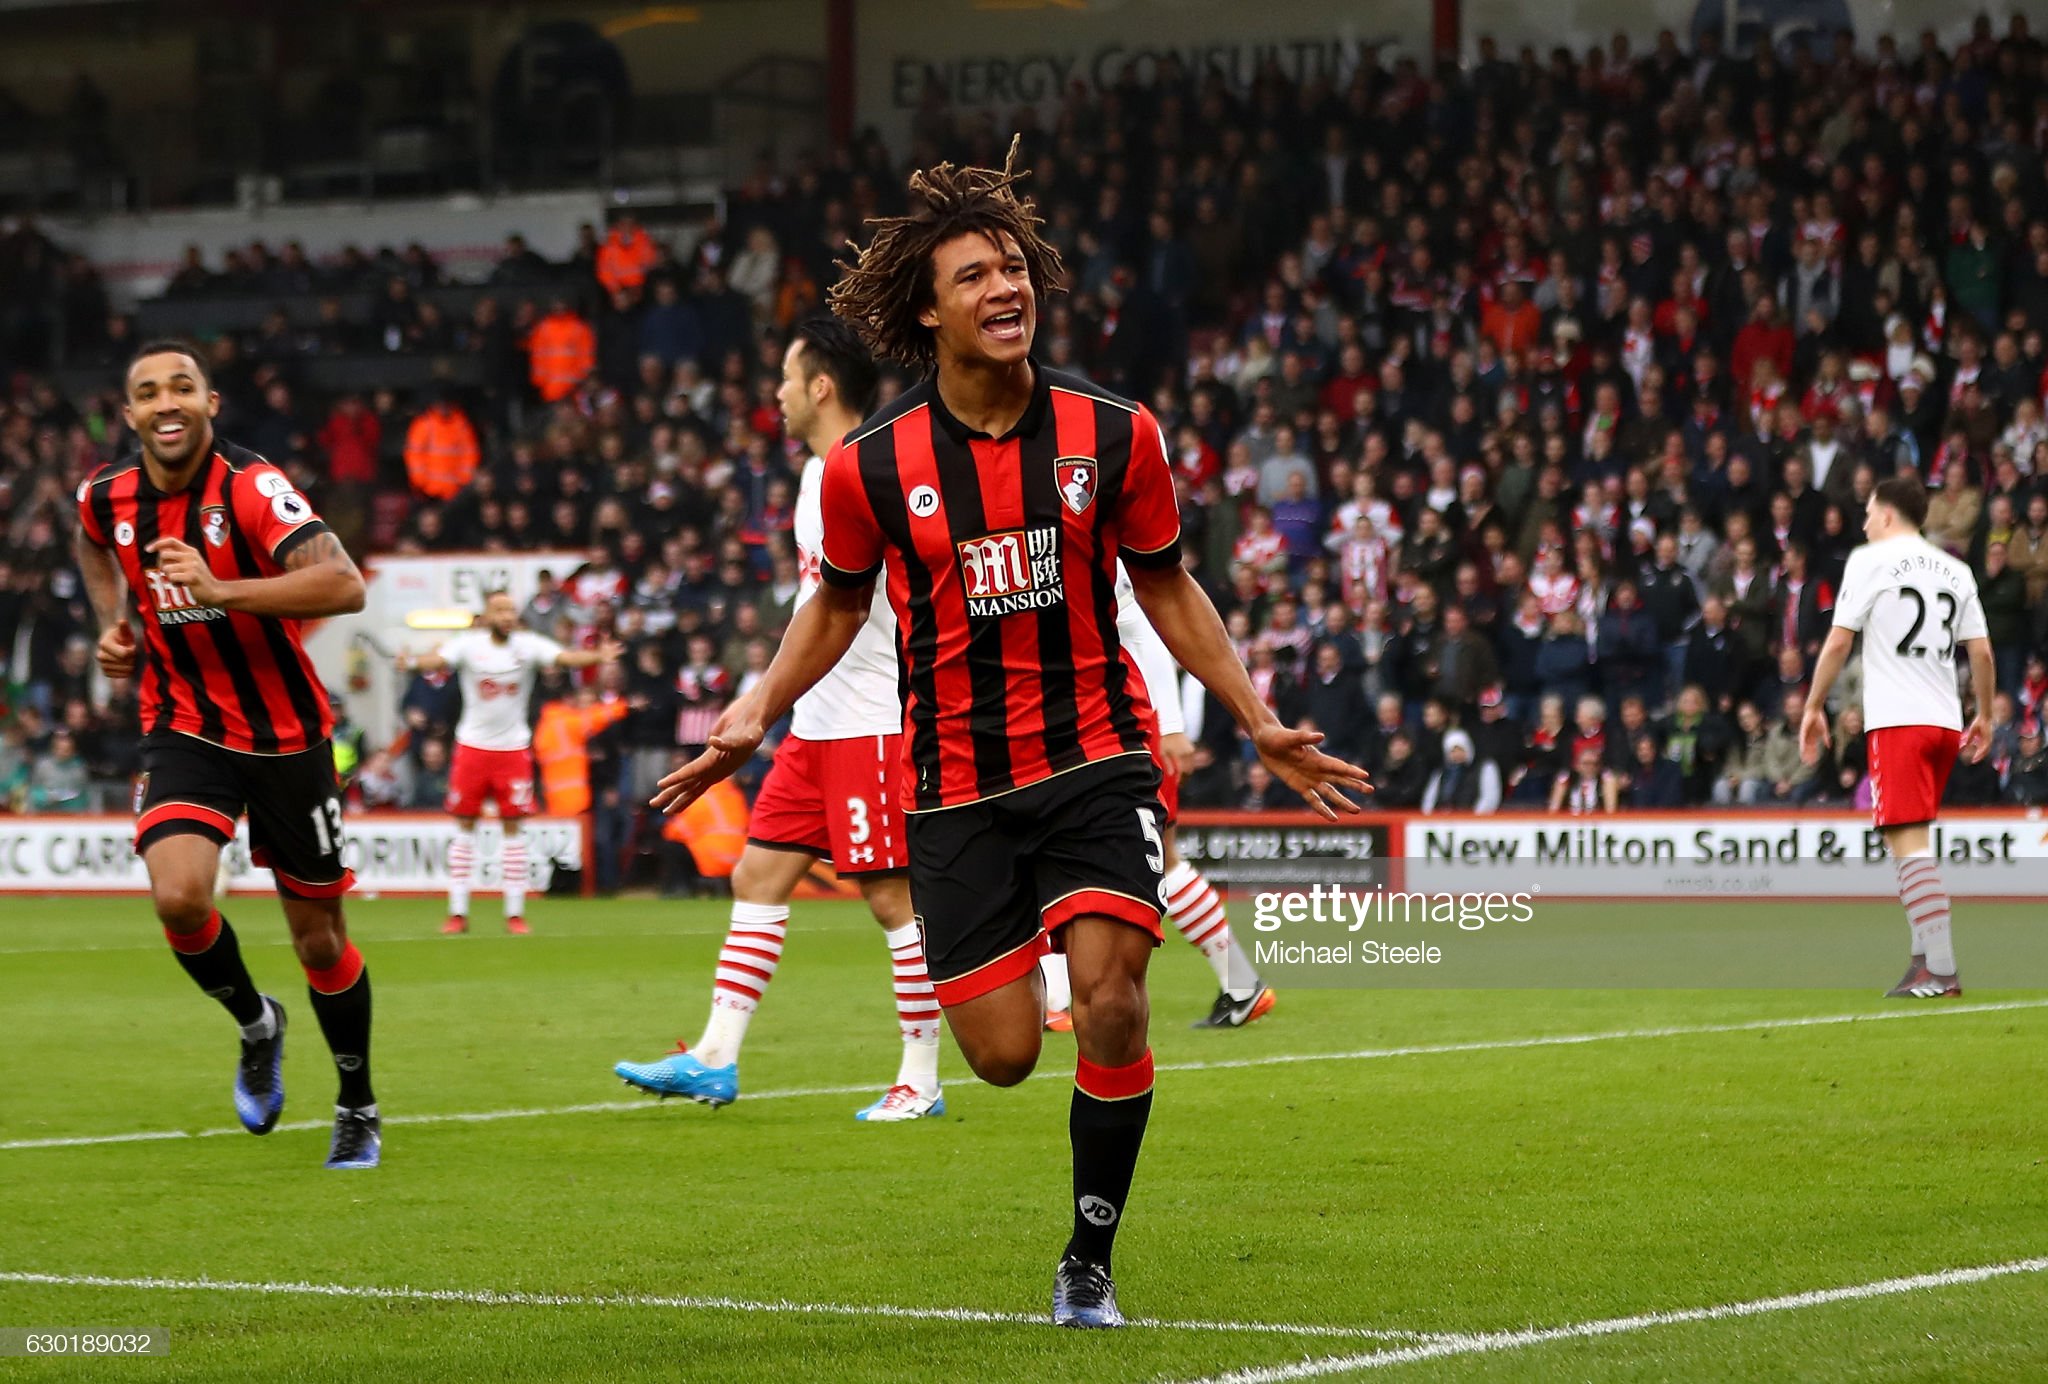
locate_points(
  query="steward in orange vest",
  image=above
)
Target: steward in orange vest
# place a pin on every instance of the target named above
(560, 750)
(713, 829)
(440, 451)
(626, 256)
(561, 352)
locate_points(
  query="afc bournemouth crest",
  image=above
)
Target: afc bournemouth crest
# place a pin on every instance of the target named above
(1076, 478)
(214, 520)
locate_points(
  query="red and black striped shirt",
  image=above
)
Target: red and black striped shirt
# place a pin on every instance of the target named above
(242, 682)
(1001, 556)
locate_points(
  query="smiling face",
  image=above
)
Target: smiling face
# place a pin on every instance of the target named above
(171, 408)
(984, 309)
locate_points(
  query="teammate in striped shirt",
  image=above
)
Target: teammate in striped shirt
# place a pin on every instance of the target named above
(212, 553)
(496, 664)
(1191, 901)
(1916, 608)
(1001, 493)
(834, 790)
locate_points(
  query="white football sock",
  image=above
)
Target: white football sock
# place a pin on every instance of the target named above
(917, 1010)
(1197, 911)
(512, 864)
(919, 1069)
(746, 963)
(461, 863)
(1059, 993)
(264, 1027)
(1926, 901)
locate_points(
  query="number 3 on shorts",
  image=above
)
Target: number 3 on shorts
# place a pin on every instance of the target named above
(1155, 861)
(857, 818)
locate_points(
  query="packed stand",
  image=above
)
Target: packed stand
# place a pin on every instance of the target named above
(1523, 415)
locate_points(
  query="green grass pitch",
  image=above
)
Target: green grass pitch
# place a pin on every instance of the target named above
(1472, 1187)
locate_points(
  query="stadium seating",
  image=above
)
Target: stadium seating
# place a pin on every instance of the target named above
(1563, 326)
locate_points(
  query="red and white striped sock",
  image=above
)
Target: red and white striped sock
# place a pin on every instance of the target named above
(1926, 901)
(917, 1010)
(461, 865)
(746, 963)
(513, 865)
(1197, 910)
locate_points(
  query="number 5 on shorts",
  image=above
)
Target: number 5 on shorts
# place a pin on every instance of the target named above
(1156, 860)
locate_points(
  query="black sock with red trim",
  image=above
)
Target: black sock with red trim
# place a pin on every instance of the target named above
(213, 959)
(341, 1002)
(1107, 1126)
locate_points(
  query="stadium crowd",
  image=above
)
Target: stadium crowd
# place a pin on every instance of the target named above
(1522, 415)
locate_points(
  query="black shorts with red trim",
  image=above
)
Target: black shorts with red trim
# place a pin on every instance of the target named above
(194, 787)
(993, 881)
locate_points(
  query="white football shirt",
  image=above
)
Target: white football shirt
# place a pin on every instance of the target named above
(859, 696)
(497, 682)
(1915, 605)
(1148, 651)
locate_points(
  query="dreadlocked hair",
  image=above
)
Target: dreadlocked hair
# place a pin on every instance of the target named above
(891, 281)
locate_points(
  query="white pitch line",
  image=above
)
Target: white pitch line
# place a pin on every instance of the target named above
(1480, 1343)
(1565, 1040)
(1554, 1040)
(487, 1297)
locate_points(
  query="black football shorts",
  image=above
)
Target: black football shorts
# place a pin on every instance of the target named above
(194, 787)
(993, 881)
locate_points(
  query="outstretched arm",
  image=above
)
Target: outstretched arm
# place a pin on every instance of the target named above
(319, 579)
(1188, 625)
(610, 651)
(822, 630)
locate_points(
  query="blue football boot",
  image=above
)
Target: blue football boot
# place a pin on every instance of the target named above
(680, 1074)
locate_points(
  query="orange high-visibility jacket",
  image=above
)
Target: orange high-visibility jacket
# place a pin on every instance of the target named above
(623, 262)
(714, 828)
(440, 452)
(561, 351)
(559, 742)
